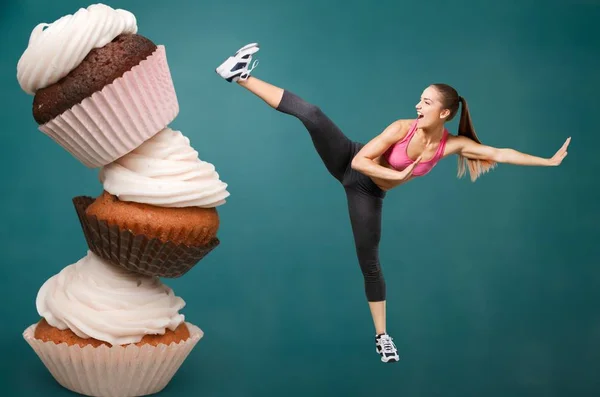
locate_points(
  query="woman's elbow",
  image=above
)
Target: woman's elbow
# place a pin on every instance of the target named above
(357, 163)
(498, 155)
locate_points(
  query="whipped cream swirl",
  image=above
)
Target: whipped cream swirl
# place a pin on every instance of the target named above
(57, 48)
(165, 171)
(96, 299)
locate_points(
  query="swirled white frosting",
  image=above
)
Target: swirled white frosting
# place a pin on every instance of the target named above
(96, 299)
(165, 171)
(57, 48)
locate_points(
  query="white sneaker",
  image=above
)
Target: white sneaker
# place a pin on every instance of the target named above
(236, 66)
(386, 348)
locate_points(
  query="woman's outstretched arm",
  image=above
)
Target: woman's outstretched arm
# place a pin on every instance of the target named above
(470, 149)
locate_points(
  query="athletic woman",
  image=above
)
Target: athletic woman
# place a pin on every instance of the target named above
(406, 149)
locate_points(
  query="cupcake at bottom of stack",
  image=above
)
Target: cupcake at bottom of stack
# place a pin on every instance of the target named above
(106, 331)
(157, 214)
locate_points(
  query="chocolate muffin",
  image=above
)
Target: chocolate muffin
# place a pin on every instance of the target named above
(99, 68)
(190, 226)
(100, 89)
(47, 333)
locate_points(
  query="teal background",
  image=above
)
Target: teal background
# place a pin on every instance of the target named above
(493, 286)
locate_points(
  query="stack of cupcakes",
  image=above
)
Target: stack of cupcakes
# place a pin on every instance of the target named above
(104, 93)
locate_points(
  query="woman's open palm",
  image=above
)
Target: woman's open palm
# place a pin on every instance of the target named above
(561, 154)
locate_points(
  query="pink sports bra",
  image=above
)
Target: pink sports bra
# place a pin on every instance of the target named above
(397, 155)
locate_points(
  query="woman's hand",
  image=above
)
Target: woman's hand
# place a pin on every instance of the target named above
(365, 160)
(399, 177)
(560, 155)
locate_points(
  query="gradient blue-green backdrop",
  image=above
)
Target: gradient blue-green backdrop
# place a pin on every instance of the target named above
(493, 286)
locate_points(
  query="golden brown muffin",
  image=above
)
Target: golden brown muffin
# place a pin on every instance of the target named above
(190, 226)
(47, 333)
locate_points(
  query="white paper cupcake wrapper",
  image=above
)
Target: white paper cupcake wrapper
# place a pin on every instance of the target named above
(113, 371)
(120, 117)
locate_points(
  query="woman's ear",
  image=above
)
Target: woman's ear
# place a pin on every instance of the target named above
(444, 114)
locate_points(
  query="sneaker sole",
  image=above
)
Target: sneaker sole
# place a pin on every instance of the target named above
(246, 47)
(388, 360)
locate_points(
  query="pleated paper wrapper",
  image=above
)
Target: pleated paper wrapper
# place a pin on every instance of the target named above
(117, 371)
(138, 253)
(120, 117)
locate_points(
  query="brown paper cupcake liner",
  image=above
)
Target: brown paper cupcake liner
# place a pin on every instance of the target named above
(138, 253)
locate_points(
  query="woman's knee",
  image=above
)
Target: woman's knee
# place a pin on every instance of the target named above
(311, 112)
(372, 272)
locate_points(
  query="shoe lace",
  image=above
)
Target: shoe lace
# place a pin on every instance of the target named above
(246, 74)
(387, 344)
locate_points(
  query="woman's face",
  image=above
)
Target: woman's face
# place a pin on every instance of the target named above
(430, 110)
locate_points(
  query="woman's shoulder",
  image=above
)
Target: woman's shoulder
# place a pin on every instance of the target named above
(395, 131)
(401, 127)
(454, 143)
(455, 138)
(407, 123)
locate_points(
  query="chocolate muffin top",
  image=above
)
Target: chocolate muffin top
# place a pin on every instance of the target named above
(98, 69)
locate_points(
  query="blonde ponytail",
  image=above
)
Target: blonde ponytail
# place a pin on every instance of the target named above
(465, 128)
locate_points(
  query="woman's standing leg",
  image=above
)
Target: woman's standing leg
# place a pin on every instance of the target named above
(364, 209)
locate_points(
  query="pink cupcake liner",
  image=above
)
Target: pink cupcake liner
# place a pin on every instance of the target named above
(117, 371)
(120, 117)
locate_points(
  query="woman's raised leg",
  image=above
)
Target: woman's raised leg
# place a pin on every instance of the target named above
(334, 148)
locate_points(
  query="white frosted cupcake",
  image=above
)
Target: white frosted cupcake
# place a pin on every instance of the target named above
(106, 331)
(100, 89)
(157, 214)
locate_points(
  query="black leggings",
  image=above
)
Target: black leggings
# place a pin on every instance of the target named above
(364, 197)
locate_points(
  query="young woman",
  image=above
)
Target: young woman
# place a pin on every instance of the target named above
(404, 150)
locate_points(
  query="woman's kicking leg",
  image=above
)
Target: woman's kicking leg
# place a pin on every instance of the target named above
(334, 148)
